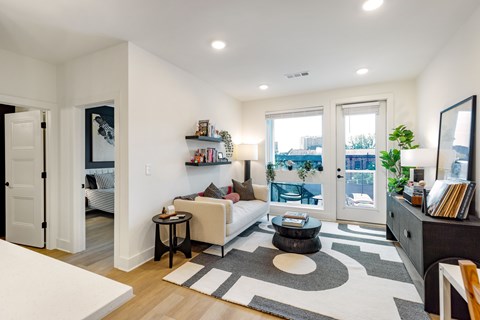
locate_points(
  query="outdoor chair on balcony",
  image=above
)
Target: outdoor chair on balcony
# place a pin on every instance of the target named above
(291, 192)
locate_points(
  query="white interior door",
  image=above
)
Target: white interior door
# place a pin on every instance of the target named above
(361, 181)
(24, 164)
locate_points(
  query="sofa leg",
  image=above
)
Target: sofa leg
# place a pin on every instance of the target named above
(222, 252)
(268, 216)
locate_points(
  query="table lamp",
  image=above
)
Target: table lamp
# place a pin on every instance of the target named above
(419, 159)
(247, 152)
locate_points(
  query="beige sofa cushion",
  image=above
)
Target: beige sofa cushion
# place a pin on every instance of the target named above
(244, 212)
(228, 206)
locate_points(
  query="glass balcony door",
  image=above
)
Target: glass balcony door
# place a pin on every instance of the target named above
(361, 182)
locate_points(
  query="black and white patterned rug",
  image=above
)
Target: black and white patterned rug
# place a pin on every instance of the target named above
(356, 275)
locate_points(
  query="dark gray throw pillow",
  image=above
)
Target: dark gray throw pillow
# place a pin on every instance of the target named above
(245, 189)
(213, 192)
(90, 182)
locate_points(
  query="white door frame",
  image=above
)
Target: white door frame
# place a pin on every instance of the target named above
(388, 98)
(51, 153)
(78, 177)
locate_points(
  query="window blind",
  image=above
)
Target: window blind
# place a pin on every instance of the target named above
(361, 108)
(297, 113)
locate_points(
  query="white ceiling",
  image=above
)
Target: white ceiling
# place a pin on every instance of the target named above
(266, 38)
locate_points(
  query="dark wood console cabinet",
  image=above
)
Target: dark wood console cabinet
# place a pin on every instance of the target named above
(428, 241)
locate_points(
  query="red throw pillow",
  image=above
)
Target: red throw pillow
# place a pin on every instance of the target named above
(235, 197)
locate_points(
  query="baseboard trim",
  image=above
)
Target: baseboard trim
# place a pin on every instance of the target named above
(64, 245)
(128, 264)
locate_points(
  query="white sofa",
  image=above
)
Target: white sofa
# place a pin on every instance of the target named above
(217, 221)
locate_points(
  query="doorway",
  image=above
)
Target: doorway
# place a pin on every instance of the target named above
(99, 188)
(361, 135)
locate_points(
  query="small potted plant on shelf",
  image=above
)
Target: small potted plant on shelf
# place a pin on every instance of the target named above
(227, 140)
(391, 159)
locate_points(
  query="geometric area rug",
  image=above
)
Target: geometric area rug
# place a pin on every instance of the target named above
(356, 275)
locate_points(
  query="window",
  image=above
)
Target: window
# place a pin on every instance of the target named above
(295, 138)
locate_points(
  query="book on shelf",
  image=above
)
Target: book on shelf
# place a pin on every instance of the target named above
(450, 199)
(296, 215)
(293, 222)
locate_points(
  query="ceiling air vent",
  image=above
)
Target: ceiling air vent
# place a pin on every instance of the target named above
(297, 74)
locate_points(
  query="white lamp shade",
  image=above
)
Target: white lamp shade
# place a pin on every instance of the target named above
(247, 152)
(421, 158)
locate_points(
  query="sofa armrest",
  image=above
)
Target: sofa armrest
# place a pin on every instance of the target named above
(208, 222)
(261, 192)
(227, 203)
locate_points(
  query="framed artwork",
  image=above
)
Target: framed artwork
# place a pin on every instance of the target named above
(220, 156)
(99, 137)
(456, 141)
(103, 139)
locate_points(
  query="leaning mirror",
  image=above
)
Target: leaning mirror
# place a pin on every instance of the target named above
(456, 141)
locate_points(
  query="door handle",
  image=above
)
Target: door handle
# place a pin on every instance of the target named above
(339, 176)
(7, 184)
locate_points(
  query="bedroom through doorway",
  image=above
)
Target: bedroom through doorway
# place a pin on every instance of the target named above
(99, 185)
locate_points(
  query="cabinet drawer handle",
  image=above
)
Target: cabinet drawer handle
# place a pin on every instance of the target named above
(391, 214)
(406, 233)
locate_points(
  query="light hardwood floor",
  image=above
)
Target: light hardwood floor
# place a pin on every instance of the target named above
(154, 298)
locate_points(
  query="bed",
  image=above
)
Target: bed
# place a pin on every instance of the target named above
(100, 194)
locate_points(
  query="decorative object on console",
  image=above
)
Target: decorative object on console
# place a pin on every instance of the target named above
(418, 159)
(450, 199)
(456, 141)
(247, 152)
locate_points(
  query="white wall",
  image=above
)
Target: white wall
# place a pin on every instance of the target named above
(95, 78)
(27, 79)
(165, 102)
(453, 75)
(404, 104)
(31, 84)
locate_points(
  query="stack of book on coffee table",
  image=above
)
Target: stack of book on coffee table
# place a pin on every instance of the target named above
(294, 219)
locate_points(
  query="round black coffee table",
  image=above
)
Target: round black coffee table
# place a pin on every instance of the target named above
(295, 239)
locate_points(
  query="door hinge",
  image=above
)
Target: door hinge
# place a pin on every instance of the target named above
(44, 225)
(44, 125)
(44, 175)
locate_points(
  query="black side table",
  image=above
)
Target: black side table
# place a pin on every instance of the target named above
(184, 246)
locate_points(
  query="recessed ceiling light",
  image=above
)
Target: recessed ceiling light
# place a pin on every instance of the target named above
(362, 71)
(218, 44)
(263, 87)
(371, 5)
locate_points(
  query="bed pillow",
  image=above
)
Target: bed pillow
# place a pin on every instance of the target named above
(245, 189)
(105, 180)
(90, 182)
(213, 192)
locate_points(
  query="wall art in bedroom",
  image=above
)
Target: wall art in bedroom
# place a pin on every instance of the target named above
(103, 139)
(99, 137)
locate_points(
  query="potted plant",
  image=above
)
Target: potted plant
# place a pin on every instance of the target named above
(305, 169)
(289, 164)
(270, 172)
(227, 140)
(391, 159)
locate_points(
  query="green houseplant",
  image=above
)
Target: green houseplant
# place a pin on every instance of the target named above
(227, 141)
(305, 169)
(391, 159)
(270, 172)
